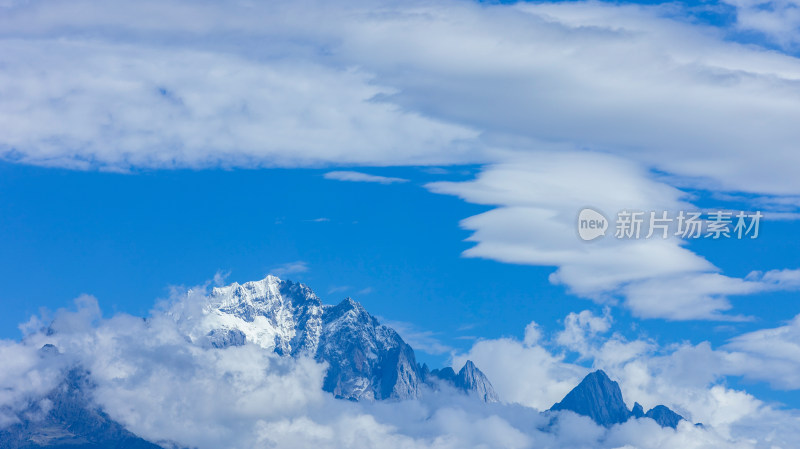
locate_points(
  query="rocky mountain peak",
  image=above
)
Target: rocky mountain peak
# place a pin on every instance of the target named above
(637, 411)
(469, 379)
(600, 398)
(597, 397)
(367, 360)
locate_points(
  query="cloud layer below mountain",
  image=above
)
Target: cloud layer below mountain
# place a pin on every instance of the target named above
(152, 379)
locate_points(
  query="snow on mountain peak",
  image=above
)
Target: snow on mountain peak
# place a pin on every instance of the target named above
(274, 314)
(367, 360)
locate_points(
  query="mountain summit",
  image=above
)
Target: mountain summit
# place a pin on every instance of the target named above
(600, 398)
(597, 397)
(367, 360)
(469, 379)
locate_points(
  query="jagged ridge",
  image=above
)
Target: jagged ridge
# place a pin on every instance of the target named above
(367, 360)
(469, 379)
(600, 398)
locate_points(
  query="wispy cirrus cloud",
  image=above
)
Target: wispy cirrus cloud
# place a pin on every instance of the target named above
(338, 289)
(355, 176)
(421, 340)
(289, 268)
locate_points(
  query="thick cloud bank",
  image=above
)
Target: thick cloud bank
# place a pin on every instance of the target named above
(163, 84)
(163, 387)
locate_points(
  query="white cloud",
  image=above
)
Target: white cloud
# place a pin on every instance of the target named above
(85, 104)
(338, 289)
(421, 340)
(24, 375)
(526, 374)
(289, 268)
(535, 222)
(355, 176)
(151, 378)
(220, 277)
(171, 84)
(688, 378)
(520, 87)
(697, 295)
(769, 354)
(778, 20)
(778, 279)
(580, 326)
(532, 334)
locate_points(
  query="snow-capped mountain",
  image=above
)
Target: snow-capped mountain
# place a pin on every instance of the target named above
(276, 315)
(366, 360)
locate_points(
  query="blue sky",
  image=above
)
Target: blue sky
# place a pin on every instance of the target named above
(126, 238)
(429, 160)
